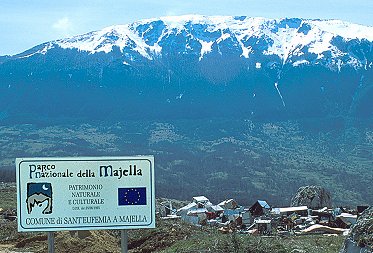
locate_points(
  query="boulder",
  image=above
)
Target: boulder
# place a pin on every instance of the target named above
(314, 197)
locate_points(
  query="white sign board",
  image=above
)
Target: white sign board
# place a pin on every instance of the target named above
(56, 194)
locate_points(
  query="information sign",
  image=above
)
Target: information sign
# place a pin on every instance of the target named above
(88, 193)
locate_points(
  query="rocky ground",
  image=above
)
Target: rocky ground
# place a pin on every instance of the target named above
(360, 238)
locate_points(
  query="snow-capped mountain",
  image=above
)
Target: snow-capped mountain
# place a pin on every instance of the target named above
(282, 66)
(289, 39)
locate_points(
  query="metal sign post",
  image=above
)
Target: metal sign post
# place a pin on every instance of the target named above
(50, 242)
(124, 241)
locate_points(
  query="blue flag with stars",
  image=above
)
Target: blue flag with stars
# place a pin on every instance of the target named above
(132, 196)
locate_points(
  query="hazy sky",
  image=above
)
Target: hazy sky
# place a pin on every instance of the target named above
(26, 23)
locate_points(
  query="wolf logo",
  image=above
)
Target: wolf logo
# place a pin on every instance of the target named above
(37, 193)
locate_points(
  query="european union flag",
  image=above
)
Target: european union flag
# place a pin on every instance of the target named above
(132, 196)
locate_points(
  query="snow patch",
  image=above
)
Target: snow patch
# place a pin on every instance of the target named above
(339, 65)
(301, 62)
(321, 44)
(206, 48)
(345, 29)
(223, 37)
(245, 51)
(104, 41)
(279, 93)
(42, 51)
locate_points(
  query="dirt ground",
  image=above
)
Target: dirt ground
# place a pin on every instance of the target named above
(5, 248)
(96, 241)
(65, 242)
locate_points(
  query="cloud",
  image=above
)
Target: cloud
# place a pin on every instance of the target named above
(63, 25)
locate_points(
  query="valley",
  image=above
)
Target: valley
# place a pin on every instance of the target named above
(220, 158)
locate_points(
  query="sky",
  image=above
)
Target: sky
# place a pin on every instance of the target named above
(27, 23)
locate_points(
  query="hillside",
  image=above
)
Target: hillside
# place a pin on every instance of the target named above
(169, 236)
(219, 158)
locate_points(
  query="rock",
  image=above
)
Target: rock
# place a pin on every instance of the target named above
(314, 197)
(360, 238)
(84, 234)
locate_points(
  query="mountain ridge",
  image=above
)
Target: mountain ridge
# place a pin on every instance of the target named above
(220, 65)
(119, 35)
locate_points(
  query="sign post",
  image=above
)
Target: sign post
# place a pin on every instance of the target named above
(55, 194)
(124, 241)
(50, 242)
